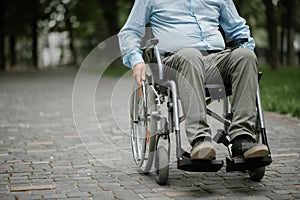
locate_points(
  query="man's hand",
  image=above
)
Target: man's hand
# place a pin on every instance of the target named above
(139, 72)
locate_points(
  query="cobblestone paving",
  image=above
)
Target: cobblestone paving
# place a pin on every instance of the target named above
(43, 155)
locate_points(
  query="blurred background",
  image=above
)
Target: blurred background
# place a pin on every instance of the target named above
(39, 34)
(44, 33)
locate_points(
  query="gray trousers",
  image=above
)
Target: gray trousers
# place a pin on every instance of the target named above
(236, 67)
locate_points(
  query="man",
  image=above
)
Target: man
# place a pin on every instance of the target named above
(190, 29)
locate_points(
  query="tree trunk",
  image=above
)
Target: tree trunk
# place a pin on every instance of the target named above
(291, 52)
(239, 6)
(2, 35)
(71, 45)
(12, 50)
(34, 33)
(72, 48)
(110, 9)
(291, 21)
(282, 39)
(273, 55)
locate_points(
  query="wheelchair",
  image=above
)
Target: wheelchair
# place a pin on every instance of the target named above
(151, 128)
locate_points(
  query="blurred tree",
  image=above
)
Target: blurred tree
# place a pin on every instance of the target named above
(282, 10)
(124, 10)
(21, 24)
(289, 23)
(34, 31)
(242, 7)
(251, 12)
(70, 20)
(10, 28)
(272, 24)
(91, 25)
(2, 34)
(111, 11)
(58, 17)
(69, 28)
(14, 30)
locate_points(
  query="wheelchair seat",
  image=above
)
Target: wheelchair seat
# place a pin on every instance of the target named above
(217, 91)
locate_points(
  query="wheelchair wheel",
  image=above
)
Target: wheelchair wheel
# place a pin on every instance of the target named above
(143, 127)
(161, 166)
(257, 174)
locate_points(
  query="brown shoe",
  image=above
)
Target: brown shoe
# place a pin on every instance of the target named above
(245, 147)
(203, 150)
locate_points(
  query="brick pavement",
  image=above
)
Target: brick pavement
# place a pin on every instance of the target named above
(44, 156)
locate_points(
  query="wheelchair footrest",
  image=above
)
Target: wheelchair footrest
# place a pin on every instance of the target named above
(241, 164)
(185, 163)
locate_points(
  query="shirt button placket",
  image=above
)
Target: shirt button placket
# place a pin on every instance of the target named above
(192, 8)
(192, 11)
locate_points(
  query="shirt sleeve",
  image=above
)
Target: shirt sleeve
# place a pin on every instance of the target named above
(132, 32)
(233, 25)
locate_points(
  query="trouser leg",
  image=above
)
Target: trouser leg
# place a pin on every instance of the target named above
(239, 68)
(189, 69)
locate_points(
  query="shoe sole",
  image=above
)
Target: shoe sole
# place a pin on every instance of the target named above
(256, 152)
(204, 151)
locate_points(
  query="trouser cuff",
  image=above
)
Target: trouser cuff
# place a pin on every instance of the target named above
(234, 135)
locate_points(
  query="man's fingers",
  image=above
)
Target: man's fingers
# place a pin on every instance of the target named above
(139, 73)
(138, 77)
(139, 80)
(143, 75)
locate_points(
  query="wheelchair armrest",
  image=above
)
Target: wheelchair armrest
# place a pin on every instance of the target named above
(148, 50)
(151, 54)
(236, 42)
(150, 43)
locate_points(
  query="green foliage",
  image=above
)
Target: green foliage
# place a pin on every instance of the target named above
(18, 16)
(92, 29)
(124, 9)
(280, 90)
(116, 71)
(254, 14)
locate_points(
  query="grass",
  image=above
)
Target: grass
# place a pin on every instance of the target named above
(116, 71)
(280, 90)
(111, 71)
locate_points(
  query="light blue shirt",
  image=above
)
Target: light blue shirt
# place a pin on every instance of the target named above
(180, 24)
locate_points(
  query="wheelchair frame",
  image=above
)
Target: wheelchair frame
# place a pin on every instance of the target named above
(146, 115)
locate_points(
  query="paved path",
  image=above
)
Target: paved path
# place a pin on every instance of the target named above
(43, 155)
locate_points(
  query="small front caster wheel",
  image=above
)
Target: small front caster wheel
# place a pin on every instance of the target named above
(162, 166)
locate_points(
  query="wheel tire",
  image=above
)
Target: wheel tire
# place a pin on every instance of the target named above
(143, 137)
(161, 166)
(257, 174)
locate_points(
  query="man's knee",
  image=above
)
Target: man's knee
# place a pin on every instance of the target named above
(245, 60)
(244, 54)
